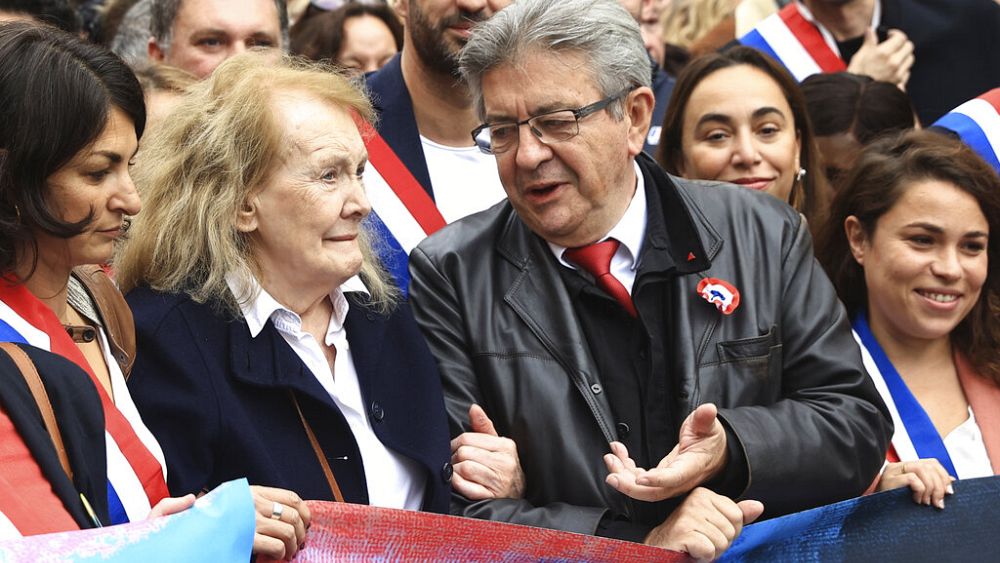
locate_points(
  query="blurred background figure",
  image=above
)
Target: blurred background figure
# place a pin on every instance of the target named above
(59, 13)
(739, 117)
(197, 35)
(912, 249)
(361, 37)
(848, 111)
(125, 30)
(695, 27)
(162, 86)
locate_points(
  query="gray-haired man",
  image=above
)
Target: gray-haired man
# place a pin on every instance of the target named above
(711, 341)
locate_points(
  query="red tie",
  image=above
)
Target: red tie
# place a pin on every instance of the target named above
(596, 259)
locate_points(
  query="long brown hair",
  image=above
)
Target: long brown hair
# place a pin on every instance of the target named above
(881, 175)
(808, 196)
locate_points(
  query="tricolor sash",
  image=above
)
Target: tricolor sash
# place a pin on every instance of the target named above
(977, 123)
(796, 42)
(403, 214)
(135, 477)
(915, 436)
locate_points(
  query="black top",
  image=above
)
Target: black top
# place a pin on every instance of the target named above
(632, 359)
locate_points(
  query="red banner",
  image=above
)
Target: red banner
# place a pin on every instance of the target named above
(364, 533)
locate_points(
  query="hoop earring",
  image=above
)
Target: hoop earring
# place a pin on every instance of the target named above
(801, 174)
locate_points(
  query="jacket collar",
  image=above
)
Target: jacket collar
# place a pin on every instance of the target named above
(268, 361)
(688, 232)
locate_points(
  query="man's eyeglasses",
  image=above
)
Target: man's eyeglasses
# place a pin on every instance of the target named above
(549, 127)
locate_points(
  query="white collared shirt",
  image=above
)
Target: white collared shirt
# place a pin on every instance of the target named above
(393, 480)
(629, 231)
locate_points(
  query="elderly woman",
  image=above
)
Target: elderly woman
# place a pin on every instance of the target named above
(913, 250)
(270, 344)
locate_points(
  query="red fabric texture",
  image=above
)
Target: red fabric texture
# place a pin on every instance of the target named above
(26, 497)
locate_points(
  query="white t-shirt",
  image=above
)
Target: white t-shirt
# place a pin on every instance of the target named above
(465, 180)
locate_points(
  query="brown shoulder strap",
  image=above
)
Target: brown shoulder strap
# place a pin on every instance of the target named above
(114, 311)
(330, 479)
(31, 377)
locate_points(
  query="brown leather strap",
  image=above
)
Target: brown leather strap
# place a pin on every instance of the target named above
(31, 377)
(330, 479)
(114, 312)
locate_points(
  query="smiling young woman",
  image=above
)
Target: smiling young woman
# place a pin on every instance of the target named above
(912, 249)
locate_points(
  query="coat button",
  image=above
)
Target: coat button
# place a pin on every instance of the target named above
(378, 413)
(446, 472)
(596, 388)
(623, 430)
(683, 395)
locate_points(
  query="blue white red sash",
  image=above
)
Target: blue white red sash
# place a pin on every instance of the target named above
(915, 436)
(977, 122)
(792, 39)
(403, 214)
(135, 477)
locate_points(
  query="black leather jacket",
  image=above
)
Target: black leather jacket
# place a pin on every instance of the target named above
(783, 369)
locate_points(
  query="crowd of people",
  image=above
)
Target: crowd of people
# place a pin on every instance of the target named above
(547, 262)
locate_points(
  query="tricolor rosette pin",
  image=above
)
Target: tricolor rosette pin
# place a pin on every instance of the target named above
(721, 293)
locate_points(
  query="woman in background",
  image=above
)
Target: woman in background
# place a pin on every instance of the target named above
(359, 37)
(739, 117)
(849, 111)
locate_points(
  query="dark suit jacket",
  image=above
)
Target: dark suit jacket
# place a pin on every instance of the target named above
(81, 422)
(219, 401)
(957, 54)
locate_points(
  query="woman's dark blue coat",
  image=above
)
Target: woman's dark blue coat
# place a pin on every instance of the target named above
(219, 401)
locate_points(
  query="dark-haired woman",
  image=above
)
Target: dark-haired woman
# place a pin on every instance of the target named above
(360, 37)
(70, 118)
(739, 117)
(912, 248)
(71, 115)
(848, 111)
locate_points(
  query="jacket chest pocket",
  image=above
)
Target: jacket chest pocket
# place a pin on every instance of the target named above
(746, 371)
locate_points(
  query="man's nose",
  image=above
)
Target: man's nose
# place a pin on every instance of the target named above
(530, 150)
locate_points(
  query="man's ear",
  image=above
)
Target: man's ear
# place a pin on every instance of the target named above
(639, 113)
(246, 217)
(154, 51)
(856, 238)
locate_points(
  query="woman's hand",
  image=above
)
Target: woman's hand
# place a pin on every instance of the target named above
(282, 520)
(171, 505)
(926, 477)
(486, 465)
